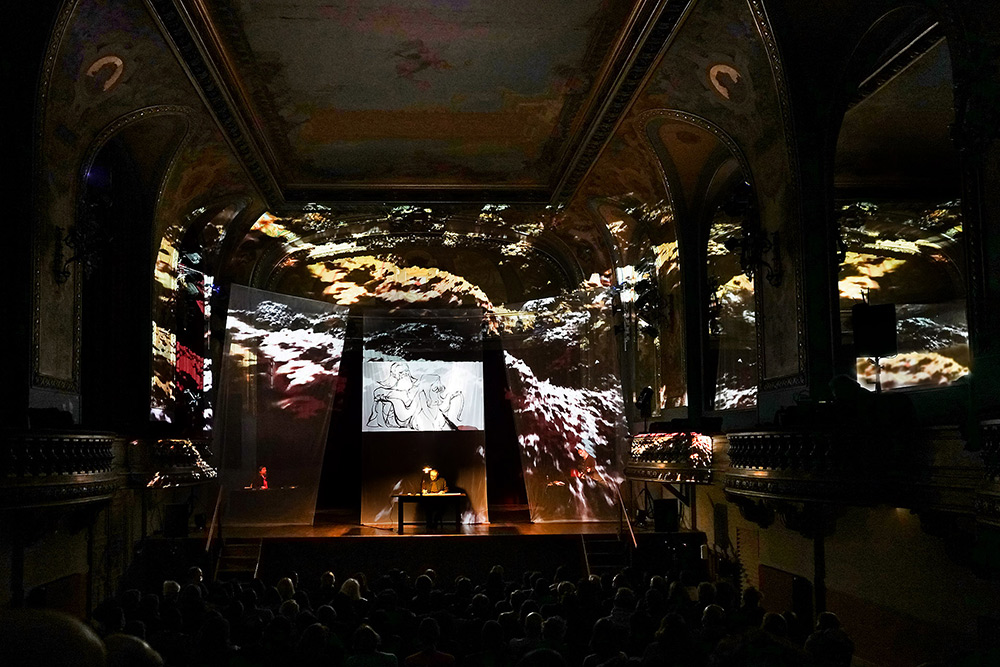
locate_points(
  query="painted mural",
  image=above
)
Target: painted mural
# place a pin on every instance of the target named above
(437, 92)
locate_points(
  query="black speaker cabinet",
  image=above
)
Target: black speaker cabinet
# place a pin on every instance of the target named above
(666, 515)
(874, 330)
(175, 520)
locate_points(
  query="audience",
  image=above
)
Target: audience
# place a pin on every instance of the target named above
(532, 619)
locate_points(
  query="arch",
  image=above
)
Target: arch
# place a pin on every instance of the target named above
(701, 165)
(117, 189)
(895, 193)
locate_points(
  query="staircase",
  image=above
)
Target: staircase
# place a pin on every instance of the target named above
(604, 553)
(238, 559)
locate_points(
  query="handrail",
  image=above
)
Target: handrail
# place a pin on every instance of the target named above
(215, 517)
(624, 512)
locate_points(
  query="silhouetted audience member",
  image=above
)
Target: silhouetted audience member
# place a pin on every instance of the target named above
(604, 643)
(429, 633)
(130, 651)
(829, 645)
(364, 650)
(35, 637)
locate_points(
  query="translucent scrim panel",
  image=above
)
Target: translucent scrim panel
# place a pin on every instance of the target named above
(422, 410)
(912, 256)
(279, 377)
(562, 366)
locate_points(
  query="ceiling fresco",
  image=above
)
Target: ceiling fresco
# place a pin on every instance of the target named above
(373, 93)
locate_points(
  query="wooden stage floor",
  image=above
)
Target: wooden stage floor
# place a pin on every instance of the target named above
(326, 530)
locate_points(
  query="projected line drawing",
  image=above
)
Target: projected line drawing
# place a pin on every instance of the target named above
(403, 401)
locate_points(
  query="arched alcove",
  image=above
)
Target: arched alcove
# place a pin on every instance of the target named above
(118, 195)
(898, 205)
(721, 245)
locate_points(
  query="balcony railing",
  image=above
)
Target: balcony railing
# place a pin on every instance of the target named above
(41, 468)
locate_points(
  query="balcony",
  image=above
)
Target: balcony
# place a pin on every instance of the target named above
(51, 468)
(670, 457)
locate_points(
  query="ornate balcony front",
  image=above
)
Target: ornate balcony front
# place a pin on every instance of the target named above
(807, 466)
(670, 457)
(166, 463)
(50, 468)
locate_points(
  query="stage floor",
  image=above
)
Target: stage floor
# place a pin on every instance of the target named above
(326, 530)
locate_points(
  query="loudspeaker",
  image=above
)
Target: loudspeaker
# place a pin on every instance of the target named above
(874, 330)
(666, 515)
(175, 520)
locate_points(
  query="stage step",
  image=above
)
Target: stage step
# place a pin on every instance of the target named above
(238, 559)
(605, 554)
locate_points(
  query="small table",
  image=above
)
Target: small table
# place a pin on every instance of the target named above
(426, 499)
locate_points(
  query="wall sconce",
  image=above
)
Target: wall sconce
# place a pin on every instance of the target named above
(753, 247)
(87, 241)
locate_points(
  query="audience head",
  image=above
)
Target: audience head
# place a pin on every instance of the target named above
(774, 625)
(533, 625)
(554, 629)
(289, 609)
(827, 620)
(286, 589)
(713, 616)
(351, 588)
(365, 639)
(625, 599)
(751, 597)
(171, 589)
(128, 651)
(429, 632)
(195, 575)
(44, 637)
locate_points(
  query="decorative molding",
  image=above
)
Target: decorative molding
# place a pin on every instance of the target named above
(174, 24)
(644, 60)
(899, 62)
(38, 379)
(763, 24)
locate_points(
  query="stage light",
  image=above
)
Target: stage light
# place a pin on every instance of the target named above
(427, 469)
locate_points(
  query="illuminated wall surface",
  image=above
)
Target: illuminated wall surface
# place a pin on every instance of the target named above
(912, 256)
(182, 367)
(279, 379)
(732, 332)
(566, 394)
(422, 407)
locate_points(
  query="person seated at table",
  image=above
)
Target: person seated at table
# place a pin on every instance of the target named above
(433, 483)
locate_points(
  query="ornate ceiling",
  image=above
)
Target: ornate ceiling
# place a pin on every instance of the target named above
(452, 100)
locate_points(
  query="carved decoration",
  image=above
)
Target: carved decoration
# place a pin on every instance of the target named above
(55, 468)
(781, 88)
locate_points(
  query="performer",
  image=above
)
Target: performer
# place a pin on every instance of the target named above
(260, 482)
(586, 465)
(433, 483)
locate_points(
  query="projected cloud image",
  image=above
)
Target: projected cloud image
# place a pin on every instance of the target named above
(567, 405)
(913, 257)
(280, 376)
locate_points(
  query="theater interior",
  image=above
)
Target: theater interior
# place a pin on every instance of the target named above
(654, 273)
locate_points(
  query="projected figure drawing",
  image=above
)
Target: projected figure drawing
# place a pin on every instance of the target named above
(394, 399)
(439, 410)
(405, 402)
